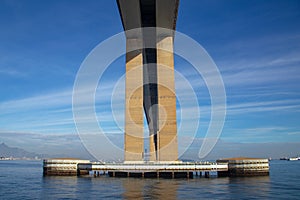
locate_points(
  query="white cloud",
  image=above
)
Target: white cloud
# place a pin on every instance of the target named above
(12, 72)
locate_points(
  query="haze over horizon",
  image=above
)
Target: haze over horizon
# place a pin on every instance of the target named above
(254, 44)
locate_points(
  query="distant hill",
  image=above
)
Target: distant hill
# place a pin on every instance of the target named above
(6, 151)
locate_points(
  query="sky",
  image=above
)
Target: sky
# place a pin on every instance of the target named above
(255, 45)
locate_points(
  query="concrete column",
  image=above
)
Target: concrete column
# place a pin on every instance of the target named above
(152, 153)
(134, 133)
(167, 126)
(206, 175)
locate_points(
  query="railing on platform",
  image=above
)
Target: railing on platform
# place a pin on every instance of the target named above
(153, 167)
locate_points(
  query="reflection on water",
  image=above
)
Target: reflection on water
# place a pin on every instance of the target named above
(133, 188)
(59, 187)
(138, 188)
(149, 188)
(258, 187)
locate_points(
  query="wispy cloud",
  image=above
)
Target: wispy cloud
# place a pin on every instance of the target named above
(294, 133)
(263, 106)
(55, 109)
(12, 72)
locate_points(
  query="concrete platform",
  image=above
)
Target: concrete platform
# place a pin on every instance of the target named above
(154, 170)
(71, 167)
(242, 166)
(232, 167)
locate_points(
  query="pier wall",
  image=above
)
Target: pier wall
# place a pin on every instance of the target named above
(63, 167)
(155, 174)
(239, 167)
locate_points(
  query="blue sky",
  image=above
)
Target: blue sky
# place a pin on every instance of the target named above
(255, 44)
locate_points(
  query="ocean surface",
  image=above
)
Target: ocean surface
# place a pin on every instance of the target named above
(24, 180)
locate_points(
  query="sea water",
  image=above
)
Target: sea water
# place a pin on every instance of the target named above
(24, 180)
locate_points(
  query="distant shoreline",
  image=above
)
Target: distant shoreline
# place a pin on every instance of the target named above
(12, 158)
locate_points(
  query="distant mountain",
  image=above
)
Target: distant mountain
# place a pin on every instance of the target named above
(6, 151)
